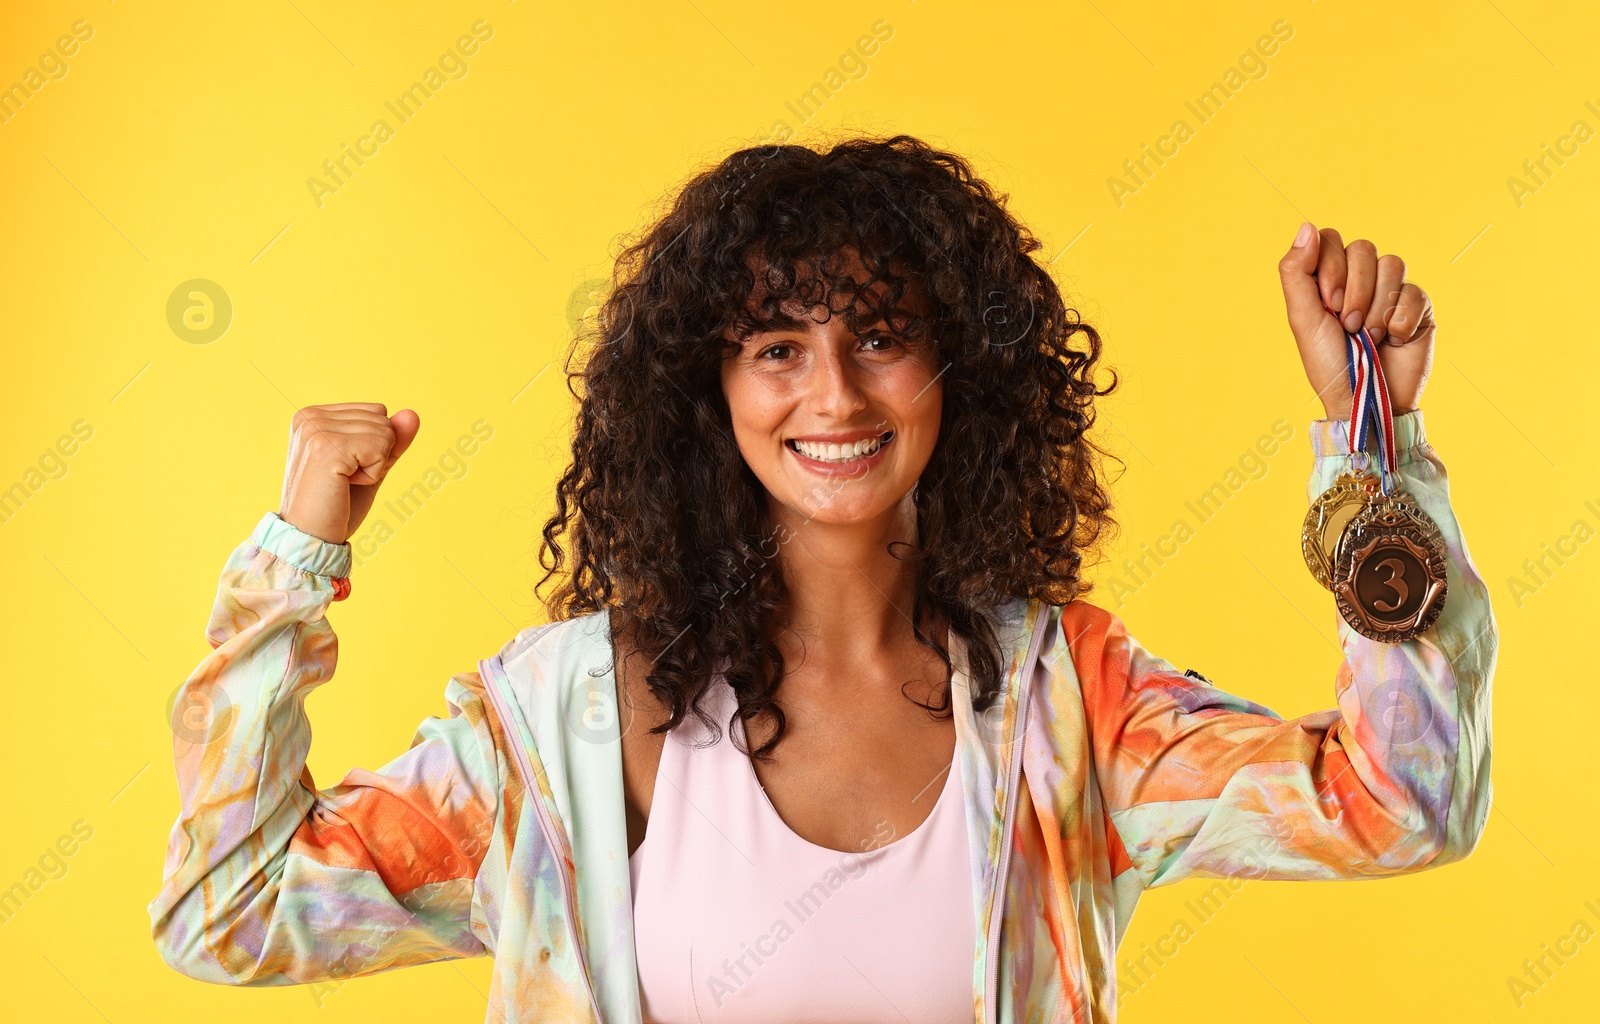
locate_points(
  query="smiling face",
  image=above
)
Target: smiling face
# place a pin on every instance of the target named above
(837, 427)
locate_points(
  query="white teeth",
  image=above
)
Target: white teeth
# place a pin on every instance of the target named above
(838, 452)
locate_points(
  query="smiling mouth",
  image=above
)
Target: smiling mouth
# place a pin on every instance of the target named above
(841, 454)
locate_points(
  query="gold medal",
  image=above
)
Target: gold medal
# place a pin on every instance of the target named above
(1325, 522)
(1389, 572)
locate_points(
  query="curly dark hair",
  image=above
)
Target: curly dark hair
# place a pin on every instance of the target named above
(670, 530)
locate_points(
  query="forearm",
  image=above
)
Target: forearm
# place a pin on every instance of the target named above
(240, 744)
(269, 880)
(1395, 779)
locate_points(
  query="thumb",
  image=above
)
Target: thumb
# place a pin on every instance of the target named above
(1298, 271)
(1317, 334)
(406, 424)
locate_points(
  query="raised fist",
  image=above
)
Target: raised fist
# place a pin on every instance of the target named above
(1330, 288)
(338, 455)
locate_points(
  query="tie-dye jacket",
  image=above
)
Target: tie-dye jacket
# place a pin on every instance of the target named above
(501, 830)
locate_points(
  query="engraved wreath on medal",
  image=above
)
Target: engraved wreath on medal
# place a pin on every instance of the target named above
(1383, 556)
(1390, 579)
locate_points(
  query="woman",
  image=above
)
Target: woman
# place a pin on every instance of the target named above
(822, 727)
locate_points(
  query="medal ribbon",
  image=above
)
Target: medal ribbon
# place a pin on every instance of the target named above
(1382, 414)
(1370, 406)
(1356, 366)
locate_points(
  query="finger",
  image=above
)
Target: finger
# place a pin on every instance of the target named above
(1297, 271)
(1331, 271)
(406, 424)
(1413, 316)
(1362, 258)
(399, 431)
(1385, 295)
(353, 419)
(355, 449)
(314, 419)
(370, 454)
(1407, 368)
(364, 423)
(1316, 333)
(376, 407)
(355, 455)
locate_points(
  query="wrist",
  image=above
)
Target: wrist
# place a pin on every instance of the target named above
(1343, 411)
(308, 552)
(1331, 436)
(324, 532)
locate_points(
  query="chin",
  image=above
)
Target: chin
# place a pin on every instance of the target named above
(823, 505)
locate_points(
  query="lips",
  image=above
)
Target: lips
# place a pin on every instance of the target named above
(850, 467)
(839, 447)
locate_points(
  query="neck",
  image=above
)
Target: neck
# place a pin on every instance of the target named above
(850, 600)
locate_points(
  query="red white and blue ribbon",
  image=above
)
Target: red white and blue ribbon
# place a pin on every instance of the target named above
(1371, 405)
(1356, 367)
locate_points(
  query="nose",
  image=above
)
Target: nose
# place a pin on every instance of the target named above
(835, 391)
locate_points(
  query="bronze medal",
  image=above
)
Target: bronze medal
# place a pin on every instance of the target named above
(1327, 518)
(1389, 572)
(1388, 563)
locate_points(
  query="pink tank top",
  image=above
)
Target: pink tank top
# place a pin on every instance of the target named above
(737, 918)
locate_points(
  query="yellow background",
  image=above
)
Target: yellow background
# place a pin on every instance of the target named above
(178, 146)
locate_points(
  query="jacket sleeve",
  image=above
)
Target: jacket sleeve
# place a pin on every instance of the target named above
(1395, 779)
(271, 881)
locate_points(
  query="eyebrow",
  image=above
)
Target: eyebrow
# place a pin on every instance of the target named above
(784, 322)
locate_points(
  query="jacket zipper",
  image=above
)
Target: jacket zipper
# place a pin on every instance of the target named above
(991, 1000)
(568, 896)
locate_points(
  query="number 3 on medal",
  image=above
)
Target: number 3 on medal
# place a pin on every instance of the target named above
(1396, 582)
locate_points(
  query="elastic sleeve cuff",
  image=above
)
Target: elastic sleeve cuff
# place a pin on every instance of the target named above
(1332, 437)
(301, 550)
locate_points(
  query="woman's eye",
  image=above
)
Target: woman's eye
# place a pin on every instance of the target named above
(784, 350)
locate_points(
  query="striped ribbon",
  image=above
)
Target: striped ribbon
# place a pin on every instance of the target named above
(1356, 367)
(1375, 407)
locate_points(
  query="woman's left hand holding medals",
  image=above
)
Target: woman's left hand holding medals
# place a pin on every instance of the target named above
(1365, 336)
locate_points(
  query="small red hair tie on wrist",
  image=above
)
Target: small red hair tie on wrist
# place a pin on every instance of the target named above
(341, 587)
